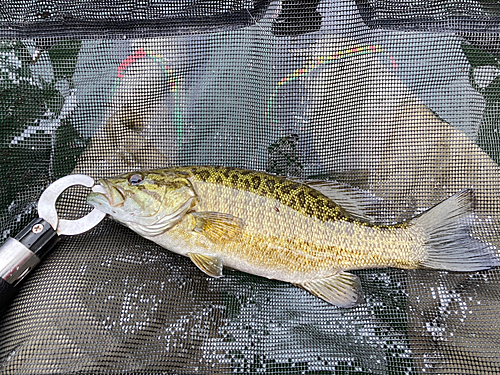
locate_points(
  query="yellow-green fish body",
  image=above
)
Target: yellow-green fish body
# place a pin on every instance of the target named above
(283, 229)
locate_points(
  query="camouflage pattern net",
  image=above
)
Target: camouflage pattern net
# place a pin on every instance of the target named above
(398, 99)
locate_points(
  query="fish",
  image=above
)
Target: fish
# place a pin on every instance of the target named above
(307, 233)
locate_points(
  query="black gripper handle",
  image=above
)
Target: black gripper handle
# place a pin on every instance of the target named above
(7, 294)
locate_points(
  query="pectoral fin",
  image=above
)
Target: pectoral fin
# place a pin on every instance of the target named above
(342, 289)
(218, 227)
(211, 265)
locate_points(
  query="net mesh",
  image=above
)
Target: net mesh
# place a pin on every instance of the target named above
(398, 98)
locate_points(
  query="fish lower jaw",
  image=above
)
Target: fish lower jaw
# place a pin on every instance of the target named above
(100, 189)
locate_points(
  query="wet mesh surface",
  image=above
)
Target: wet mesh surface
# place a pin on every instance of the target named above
(400, 99)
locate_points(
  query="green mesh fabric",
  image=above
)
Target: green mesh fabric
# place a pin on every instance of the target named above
(397, 98)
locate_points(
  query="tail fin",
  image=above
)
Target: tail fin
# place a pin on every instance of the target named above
(449, 244)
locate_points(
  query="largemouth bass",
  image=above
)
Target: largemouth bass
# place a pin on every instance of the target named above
(282, 229)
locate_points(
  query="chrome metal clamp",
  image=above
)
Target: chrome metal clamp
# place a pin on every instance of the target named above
(19, 255)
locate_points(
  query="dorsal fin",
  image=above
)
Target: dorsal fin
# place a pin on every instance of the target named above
(356, 203)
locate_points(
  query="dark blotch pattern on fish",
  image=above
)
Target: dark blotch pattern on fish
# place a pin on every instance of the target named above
(297, 196)
(246, 184)
(235, 178)
(256, 181)
(270, 184)
(204, 174)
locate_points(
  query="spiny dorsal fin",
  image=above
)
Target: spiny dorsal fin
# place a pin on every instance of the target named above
(356, 203)
(217, 226)
(211, 265)
(342, 289)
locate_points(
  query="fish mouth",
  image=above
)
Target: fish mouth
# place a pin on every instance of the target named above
(114, 194)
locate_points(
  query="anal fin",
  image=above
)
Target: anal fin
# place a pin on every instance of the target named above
(342, 289)
(210, 265)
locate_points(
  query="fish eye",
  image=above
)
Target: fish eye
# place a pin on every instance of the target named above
(135, 179)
